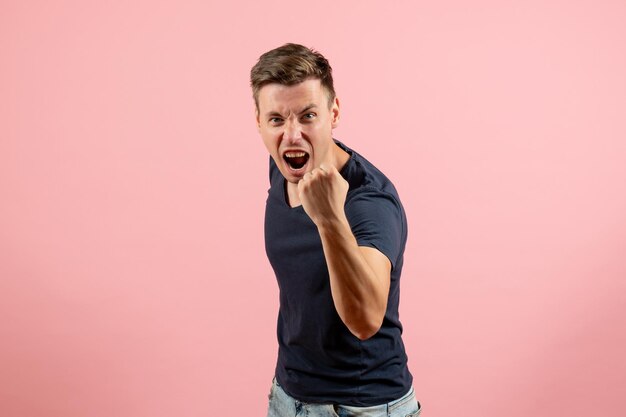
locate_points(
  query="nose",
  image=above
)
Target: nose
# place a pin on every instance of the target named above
(293, 130)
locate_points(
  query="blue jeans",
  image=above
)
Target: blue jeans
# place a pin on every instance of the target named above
(283, 405)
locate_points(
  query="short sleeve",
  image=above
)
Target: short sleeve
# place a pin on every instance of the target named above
(377, 221)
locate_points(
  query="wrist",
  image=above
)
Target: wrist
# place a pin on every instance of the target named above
(333, 225)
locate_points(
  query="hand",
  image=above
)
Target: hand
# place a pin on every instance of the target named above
(322, 193)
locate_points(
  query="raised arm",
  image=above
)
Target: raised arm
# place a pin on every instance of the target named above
(359, 276)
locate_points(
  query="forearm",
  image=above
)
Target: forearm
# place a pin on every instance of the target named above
(359, 293)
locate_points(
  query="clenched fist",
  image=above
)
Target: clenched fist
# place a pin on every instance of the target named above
(323, 193)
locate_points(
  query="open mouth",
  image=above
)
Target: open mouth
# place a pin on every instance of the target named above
(296, 159)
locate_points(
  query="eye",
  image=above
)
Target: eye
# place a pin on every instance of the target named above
(275, 120)
(309, 116)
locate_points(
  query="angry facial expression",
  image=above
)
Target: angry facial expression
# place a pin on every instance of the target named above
(296, 124)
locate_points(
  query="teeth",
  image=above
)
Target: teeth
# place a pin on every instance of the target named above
(294, 154)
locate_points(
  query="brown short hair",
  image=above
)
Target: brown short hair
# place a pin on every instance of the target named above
(291, 64)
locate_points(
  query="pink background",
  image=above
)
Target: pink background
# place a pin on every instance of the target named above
(132, 183)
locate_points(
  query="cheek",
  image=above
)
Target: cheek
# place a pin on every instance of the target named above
(269, 140)
(322, 130)
(271, 148)
(271, 144)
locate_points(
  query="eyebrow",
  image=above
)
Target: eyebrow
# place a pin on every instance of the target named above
(304, 110)
(307, 108)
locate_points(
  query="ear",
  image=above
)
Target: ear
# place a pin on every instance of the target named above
(334, 111)
(258, 120)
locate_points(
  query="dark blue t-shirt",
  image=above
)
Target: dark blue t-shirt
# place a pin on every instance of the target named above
(319, 359)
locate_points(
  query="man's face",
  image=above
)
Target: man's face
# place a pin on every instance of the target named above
(296, 125)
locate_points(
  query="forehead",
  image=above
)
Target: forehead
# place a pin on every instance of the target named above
(277, 97)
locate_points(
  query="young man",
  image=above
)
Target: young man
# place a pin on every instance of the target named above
(335, 232)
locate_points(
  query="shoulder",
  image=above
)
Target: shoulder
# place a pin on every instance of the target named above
(365, 179)
(275, 191)
(371, 194)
